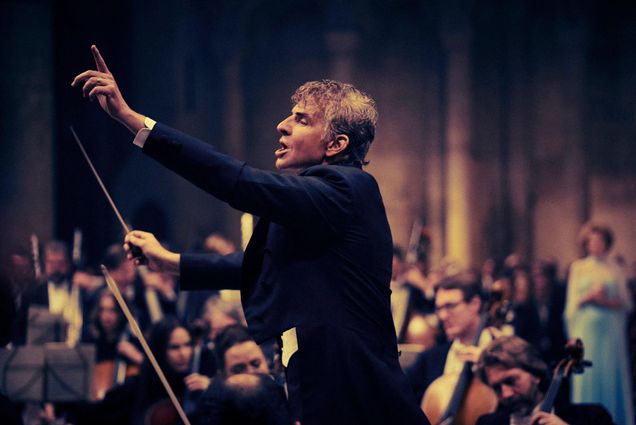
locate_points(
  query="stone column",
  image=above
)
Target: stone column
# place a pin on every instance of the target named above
(26, 122)
(458, 231)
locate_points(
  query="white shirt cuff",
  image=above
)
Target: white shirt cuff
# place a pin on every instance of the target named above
(142, 134)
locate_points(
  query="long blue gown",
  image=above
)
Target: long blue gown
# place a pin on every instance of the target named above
(603, 332)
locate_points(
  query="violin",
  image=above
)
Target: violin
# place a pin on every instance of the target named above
(109, 373)
(470, 397)
(572, 363)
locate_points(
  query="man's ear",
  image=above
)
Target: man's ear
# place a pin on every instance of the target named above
(337, 145)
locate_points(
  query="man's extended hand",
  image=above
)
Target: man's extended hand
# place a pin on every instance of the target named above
(101, 84)
(159, 258)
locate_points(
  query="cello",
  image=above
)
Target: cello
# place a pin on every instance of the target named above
(470, 397)
(572, 363)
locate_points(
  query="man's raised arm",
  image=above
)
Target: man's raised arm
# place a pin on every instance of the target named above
(101, 84)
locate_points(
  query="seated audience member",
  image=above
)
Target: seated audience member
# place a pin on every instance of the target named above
(142, 396)
(458, 306)
(246, 399)
(519, 377)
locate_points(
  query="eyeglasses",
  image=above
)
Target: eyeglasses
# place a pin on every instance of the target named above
(448, 306)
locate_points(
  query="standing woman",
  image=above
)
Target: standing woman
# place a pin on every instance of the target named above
(597, 307)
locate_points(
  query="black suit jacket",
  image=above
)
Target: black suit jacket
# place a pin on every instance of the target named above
(319, 260)
(573, 414)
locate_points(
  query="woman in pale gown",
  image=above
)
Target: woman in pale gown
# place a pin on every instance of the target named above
(597, 307)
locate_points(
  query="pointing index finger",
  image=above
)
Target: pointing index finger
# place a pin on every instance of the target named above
(99, 60)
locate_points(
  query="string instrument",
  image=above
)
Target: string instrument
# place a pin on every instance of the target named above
(35, 254)
(417, 328)
(109, 373)
(163, 412)
(572, 363)
(470, 397)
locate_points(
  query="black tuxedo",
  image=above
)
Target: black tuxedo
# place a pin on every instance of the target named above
(319, 260)
(573, 414)
(39, 296)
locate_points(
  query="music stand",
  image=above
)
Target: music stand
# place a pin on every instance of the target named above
(22, 373)
(50, 372)
(44, 326)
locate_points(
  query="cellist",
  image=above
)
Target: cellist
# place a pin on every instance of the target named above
(519, 377)
(458, 305)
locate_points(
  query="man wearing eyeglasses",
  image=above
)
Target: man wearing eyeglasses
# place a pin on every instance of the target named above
(458, 305)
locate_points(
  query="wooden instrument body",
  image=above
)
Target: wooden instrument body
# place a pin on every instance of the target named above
(478, 400)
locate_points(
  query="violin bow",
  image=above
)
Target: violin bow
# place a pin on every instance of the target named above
(137, 331)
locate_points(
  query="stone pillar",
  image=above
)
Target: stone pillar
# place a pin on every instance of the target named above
(26, 122)
(458, 231)
(342, 46)
(560, 177)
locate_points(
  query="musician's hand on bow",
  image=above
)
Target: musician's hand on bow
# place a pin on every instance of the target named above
(469, 354)
(159, 258)
(197, 382)
(86, 281)
(128, 350)
(545, 418)
(101, 84)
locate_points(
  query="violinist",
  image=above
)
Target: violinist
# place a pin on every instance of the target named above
(458, 304)
(61, 290)
(139, 396)
(135, 289)
(519, 377)
(106, 329)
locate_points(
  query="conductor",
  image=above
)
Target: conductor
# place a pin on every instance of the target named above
(316, 271)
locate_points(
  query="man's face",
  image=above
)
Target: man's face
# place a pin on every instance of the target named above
(179, 352)
(457, 316)
(56, 265)
(301, 143)
(245, 357)
(517, 390)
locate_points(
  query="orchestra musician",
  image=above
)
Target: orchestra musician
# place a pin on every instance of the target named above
(458, 304)
(143, 396)
(105, 330)
(62, 290)
(519, 377)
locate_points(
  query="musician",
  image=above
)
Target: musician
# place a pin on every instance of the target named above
(458, 304)
(316, 272)
(411, 293)
(147, 302)
(107, 323)
(519, 377)
(63, 291)
(139, 396)
(245, 399)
